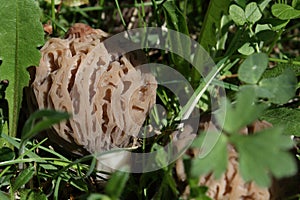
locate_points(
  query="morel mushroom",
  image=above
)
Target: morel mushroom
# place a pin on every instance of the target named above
(107, 96)
(231, 184)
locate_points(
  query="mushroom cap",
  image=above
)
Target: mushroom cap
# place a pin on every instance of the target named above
(108, 98)
(231, 184)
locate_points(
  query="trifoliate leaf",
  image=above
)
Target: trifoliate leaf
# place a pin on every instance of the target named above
(243, 112)
(253, 67)
(215, 161)
(21, 33)
(263, 155)
(285, 12)
(282, 88)
(285, 117)
(252, 13)
(237, 14)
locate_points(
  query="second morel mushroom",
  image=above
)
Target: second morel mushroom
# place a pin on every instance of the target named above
(107, 96)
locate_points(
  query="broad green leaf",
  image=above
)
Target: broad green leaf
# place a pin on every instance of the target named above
(286, 117)
(252, 12)
(264, 154)
(4, 196)
(237, 14)
(242, 113)
(30, 194)
(258, 91)
(116, 184)
(21, 33)
(281, 88)
(6, 154)
(215, 161)
(253, 67)
(211, 25)
(23, 178)
(285, 12)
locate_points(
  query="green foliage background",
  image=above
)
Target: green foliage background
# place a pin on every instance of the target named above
(258, 66)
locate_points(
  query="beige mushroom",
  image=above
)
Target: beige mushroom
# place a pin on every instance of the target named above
(108, 98)
(230, 186)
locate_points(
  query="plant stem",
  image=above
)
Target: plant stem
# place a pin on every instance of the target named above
(274, 42)
(53, 15)
(120, 13)
(97, 8)
(254, 35)
(279, 60)
(284, 61)
(185, 8)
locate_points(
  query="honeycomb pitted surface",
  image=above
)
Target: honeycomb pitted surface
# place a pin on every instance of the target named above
(107, 97)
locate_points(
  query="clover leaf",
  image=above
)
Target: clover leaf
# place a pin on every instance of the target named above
(261, 155)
